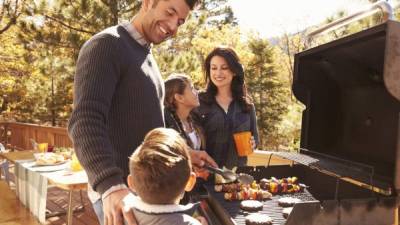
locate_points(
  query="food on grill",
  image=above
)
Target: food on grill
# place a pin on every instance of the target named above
(219, 179)
(251, 205)
(231, 187)
(273, 185)
(247, 194)
(288, 201)
(286, 212)
(284, 185)
(258, 219)
(218, 188)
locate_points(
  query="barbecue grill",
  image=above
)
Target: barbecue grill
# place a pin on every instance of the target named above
(350, 146)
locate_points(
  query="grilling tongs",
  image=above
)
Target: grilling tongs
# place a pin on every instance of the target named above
(231, 176)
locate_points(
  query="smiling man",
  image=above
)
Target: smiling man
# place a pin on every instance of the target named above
(118, 98)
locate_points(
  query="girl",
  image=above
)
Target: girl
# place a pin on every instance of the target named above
(180, 99)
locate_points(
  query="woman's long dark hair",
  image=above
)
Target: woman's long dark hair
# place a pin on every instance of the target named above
(238, 86)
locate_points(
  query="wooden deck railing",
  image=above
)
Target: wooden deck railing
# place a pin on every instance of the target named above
(18, 135)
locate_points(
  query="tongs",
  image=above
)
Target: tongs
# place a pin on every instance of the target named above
(231, 176)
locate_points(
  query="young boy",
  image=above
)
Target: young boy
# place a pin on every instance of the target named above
(160, 173)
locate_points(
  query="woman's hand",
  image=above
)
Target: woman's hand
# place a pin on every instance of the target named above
(253, 142)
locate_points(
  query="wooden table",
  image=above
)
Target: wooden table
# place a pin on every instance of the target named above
(66, 180)
(18, 155)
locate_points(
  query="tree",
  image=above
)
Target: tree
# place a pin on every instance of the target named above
(270, 94)
(10, 10)
(14, 72)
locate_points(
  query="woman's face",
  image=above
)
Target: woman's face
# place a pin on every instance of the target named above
(189, 98)
(220, 73)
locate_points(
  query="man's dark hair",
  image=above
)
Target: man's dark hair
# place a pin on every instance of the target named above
(191, 3)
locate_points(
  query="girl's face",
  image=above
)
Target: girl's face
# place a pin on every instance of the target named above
(220, 73)
(189, 98)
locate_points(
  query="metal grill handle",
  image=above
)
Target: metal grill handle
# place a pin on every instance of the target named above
(382, 5)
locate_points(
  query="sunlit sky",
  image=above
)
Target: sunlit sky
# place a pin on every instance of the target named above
(274, 17)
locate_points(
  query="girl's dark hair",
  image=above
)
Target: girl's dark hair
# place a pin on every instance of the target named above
(238, 86)
(174, 84)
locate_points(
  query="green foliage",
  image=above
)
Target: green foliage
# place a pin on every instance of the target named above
(270, 95)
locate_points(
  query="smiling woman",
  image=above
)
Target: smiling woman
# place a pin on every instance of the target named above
(226, 108)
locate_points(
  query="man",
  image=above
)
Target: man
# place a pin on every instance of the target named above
(118, 98)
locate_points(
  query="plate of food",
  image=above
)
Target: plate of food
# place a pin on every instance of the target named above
(48, 159)
(64, 151)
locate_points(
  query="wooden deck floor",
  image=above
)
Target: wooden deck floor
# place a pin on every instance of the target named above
(57, 201)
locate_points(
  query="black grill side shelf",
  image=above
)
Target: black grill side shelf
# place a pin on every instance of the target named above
(356, 173)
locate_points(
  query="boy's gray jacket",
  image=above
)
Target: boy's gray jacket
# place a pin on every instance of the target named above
(161, 214)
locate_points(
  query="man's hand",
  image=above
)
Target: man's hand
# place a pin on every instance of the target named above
(113, 207)
(202, 220)
(201, 172)
(199, 158)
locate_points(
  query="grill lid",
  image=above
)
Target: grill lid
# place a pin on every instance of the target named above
(351, 90)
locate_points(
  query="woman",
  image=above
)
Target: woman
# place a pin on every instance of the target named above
(225, 107)
(180, 99)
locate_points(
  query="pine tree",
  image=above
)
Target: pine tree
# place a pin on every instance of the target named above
(270, 95)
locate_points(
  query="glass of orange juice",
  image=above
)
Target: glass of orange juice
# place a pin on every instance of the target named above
(75, 164)
(242, 142)
(42, 147)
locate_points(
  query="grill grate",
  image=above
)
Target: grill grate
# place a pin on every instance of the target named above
(271, 207)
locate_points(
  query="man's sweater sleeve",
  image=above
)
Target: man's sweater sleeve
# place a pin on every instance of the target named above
(97, 74)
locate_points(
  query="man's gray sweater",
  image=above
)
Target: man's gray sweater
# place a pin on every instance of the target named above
(118, 98)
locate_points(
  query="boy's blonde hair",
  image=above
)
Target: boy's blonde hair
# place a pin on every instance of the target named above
(160, 167)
